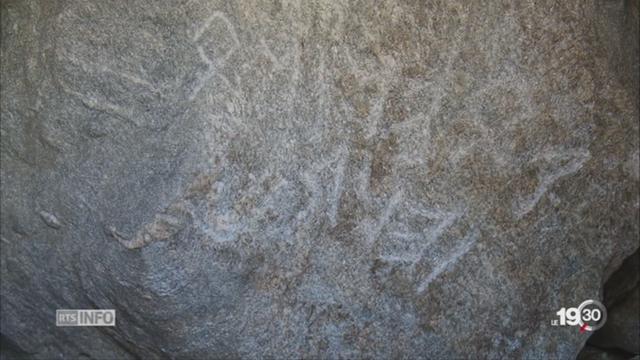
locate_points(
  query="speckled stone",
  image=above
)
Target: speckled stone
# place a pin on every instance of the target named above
(321, 179)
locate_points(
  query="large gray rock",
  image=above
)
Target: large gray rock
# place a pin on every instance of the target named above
(622, 299)
(622, 330)
(314, 179)
(593, 353)
(620, 336)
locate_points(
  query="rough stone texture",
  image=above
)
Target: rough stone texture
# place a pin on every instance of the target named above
(320, 179)
(622, 299)
(593, 353)
(623, 325)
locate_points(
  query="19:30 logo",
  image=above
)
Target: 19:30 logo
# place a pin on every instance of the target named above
(589, 316)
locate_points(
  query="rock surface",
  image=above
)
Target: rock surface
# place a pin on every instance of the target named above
(329, 179)
(622, 330)
(593, 353)
(622, 299)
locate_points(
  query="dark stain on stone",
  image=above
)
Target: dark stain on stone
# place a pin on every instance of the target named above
(395, 108)
(357, 94)
(382, 163)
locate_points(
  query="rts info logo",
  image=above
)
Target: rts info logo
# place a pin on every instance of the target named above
(589, 316)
